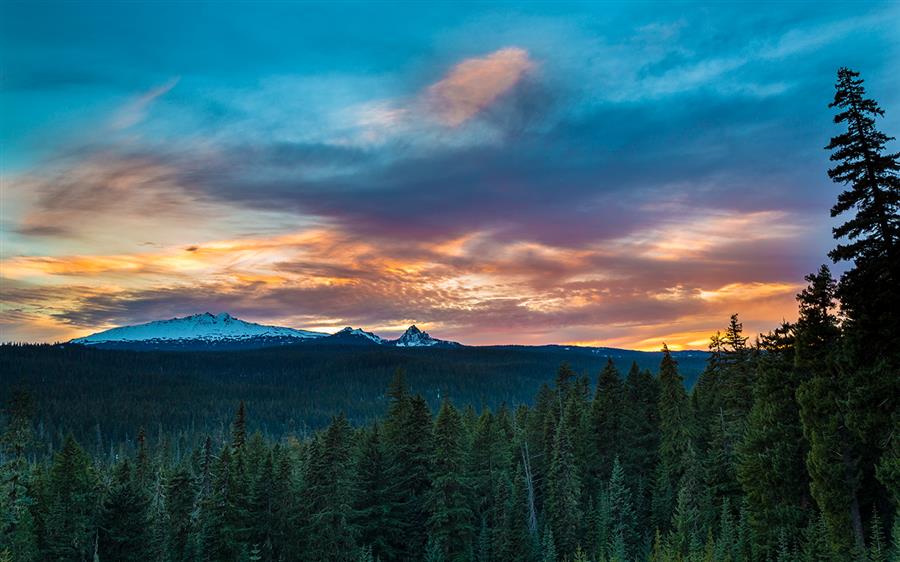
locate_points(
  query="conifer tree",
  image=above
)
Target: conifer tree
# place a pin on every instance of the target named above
(772, 455)
(328, 495)
(261, 507)
(869, 239)
(408, 441)
(373, 501)
(877, 551)
(606, 421)
(663, 500)
(563, 494)
(675, 423)
(180, 506)
(16, 522)
(451, 519)
(239, 429)
(833, 458)
(548, 547)
(874, 194)
(513, 540)
(624, 523)
(123, 520)
(687, 524)
(71, 510)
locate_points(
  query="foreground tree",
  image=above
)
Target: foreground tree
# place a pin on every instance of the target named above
(451, 519)
(771, 458)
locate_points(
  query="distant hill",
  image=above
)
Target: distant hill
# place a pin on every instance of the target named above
(288, 389)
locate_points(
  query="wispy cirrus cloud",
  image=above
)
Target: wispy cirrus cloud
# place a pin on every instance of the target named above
(136, 110)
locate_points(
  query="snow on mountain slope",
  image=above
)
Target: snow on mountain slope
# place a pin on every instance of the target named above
(414, 337)
(348, 331)
(207, 327)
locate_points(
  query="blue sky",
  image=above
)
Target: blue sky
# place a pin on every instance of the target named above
(607, 173)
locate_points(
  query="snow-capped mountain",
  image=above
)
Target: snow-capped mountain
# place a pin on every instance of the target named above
(198, 328)
(352, 336)
(414, 337)
(223, 331)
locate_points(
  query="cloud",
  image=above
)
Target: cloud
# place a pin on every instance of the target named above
(136, 110)
(475, 83)
(635, 184)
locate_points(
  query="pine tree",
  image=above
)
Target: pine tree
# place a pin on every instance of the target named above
(180, 506)
(606, 421)
(675, 424)
(869, 239)
(692, 505)
(373, 501)
(72, 506)
(772, 455)
(513, 540)
(16, 522)
(874, 194)
(261, 508)
(548, 546)
(833, 458)
(640, 437)
(662, 504)
(328, 495)
(408, 442)
(451, 519)
(624, 523)
(239, 429)
(816, 546)
(563, 493)
(123, 521)
(877, 547)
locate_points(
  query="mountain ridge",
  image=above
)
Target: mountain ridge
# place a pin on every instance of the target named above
(224, 331)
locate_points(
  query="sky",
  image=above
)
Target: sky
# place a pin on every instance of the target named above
(619, 174)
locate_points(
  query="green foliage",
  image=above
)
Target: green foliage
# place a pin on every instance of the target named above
(123, 533)
(70, 505)
(675, 423)
(330, 536)
(606, 421)
(451, 519)
(774, 444)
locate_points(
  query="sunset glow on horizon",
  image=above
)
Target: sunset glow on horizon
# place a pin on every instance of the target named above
(494, 176)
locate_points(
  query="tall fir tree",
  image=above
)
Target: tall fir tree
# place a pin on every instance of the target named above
(328, 496)
(833, 458)
(675, 423)
(624, 521)
(772, 455)
(606, 421)
(124, 520)
(869, 240)
(563, 510)
(450, 499)
(71, 508)
(372, 505)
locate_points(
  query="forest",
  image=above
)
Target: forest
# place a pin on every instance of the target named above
(785, 449)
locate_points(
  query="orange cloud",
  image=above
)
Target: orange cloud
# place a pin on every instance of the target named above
(475, 83)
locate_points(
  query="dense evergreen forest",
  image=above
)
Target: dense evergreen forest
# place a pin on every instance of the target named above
(786, 449)
(103, 397)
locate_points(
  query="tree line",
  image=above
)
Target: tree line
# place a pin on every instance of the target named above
(786, 449)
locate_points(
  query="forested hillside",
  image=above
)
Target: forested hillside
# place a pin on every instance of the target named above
(104, 397)
(786, 449)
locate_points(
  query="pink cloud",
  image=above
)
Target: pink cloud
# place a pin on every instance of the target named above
(475, 83)
(136, 110)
